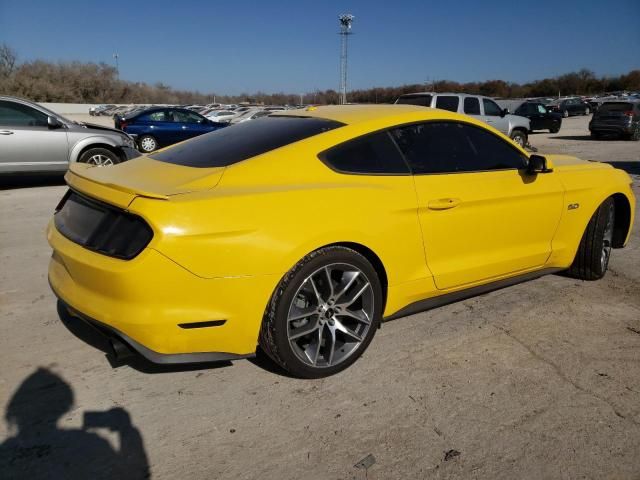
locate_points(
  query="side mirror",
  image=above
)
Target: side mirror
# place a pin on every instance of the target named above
(504, 111)
(538, 164)
(53, 122)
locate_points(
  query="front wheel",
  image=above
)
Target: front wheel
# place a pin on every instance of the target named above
(100, 157)
(323, 314)
(519, 137)
(594, 252)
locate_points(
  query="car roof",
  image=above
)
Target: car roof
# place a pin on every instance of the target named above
(352, 114)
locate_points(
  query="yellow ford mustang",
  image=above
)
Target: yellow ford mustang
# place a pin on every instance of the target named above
(301, 231)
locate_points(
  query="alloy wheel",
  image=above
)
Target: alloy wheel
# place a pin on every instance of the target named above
(148, 144)
(100, 160)
(330, 315)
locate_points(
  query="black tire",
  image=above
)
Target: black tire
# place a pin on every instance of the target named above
(147, 143)
(596, 135)
(274, 333)
(554, 129)
(590, 262)
(519, 137)
(99, 156)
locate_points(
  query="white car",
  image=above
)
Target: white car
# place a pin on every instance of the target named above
(220, 115)
(250, 115)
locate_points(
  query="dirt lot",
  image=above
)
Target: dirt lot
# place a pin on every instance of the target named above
(540, 380)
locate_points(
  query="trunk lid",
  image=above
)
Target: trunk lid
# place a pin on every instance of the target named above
(120, 184)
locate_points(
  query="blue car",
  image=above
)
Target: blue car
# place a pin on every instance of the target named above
(163, 126)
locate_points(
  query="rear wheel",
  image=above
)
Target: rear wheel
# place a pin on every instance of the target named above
(594, 252)
(147, 143)
(323, 314)
(100, 157)
(596, 135)
(519, 137)
(554, 129)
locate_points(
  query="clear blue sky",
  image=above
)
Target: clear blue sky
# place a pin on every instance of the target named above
(229, 47)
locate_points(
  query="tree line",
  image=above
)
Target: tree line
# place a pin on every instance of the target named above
(77, 82)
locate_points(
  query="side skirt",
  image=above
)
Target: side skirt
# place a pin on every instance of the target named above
(447, 298)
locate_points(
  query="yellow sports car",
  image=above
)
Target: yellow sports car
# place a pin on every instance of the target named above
(301, 231)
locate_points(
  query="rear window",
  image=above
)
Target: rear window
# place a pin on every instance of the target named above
(419, 100)
(616, 107)
(447, 103)
(233, 144)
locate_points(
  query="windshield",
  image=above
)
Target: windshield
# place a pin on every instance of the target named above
(233, 144)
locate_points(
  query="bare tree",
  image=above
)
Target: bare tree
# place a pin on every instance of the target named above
(8, 58)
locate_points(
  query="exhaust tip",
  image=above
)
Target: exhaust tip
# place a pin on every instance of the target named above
(119, 349)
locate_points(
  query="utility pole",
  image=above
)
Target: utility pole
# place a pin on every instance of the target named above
(346, 20)
(116, 56)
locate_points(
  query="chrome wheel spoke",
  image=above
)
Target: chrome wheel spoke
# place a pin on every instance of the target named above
(313, 350)
(340, 327)
(351, 300)
(329, 282)
(300, 315)
(352, 278)
(315, 289)
(331, 347)
(351, 314)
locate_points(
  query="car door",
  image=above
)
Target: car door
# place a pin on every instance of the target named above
(492, 114)
(482, 216)
(189, 124)
(26, 141)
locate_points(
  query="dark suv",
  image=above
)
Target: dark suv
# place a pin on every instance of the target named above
(618, 117)
(569, 106)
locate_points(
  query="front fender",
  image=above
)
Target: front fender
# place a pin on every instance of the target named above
(97, 140)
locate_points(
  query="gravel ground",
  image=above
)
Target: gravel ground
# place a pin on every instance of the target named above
(540, 380)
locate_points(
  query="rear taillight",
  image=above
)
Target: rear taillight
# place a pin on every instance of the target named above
(628, 113)
(123, 125)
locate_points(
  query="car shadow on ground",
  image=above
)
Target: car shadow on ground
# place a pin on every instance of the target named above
(583, 138)
(25, 181)
(38, 448)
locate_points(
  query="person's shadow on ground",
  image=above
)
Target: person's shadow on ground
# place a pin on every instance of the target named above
(41, 449)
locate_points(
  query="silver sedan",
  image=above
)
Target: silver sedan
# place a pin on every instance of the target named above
(35, 139)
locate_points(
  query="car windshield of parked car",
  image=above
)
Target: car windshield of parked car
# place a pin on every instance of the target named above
(615, 107)
(233, 144)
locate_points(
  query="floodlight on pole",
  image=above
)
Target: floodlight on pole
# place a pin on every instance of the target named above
(346, 21)
(116, 56)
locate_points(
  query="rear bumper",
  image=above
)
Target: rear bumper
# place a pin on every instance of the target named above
(611, 128)
(158, 308)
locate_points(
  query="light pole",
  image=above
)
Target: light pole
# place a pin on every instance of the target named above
(116, 56)
(346, 19)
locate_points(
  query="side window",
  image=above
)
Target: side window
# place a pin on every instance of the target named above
(491, 107)
(14, 114)
(471, 106)
(186, 117)
(419, 100)
(447, 102)
(452, 147)
(541, 108)
(159, 116)
(374, 154)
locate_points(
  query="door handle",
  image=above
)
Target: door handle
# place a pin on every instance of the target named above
(443, 203)
(6, 132)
